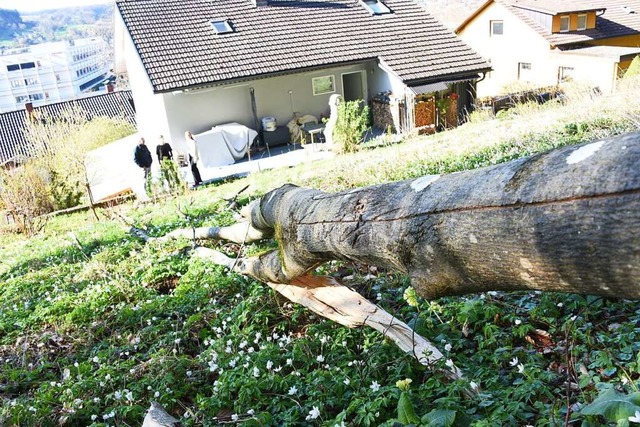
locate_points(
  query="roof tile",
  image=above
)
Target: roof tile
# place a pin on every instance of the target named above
(178, 48)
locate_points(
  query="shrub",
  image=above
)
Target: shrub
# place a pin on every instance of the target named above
(62, 143)
(352, 123)
(26, 196)
(634, 68)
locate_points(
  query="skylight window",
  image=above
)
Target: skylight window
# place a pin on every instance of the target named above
(376, 7)
(222, 26)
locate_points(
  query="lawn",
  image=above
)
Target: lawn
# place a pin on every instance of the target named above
(95, 324)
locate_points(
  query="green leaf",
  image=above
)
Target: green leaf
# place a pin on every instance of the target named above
(439, 418)
(406, 413)
(615, 407)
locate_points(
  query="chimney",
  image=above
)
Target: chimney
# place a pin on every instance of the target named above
(29, 107)
(109, 88)
(258, 3)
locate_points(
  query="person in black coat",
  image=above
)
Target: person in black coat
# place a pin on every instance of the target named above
(142, 158)
(164, 150)
(168, 168)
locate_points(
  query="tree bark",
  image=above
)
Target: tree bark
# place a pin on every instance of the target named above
(567, 220)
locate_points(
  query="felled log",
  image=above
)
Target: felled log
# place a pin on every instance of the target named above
(567, 220)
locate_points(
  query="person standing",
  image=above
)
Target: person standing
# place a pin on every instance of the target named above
(194, 156)
(164, 150)
(168, 168)
(142, 158)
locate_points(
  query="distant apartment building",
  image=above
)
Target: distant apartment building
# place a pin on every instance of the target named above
(51, 72)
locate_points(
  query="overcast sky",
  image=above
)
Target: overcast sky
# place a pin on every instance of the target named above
(31, 5)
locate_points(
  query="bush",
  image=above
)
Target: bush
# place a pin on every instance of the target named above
(634, 68)
(61, 144)
(352, 123)
(26, 196)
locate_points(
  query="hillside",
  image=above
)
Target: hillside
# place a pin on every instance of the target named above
(61, 24)
(95, 324)
(11, 24)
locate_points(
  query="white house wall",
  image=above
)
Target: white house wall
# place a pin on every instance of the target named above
(520, 43)
(151, 117)
(200, 109)
(600, 72)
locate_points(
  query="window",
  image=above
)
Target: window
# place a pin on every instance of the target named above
(524, 71)
(564, 23)
(376, 7)
(13, 67)
(17, 83)
(28, 65)
(323, 85)
(565, 74)
(31, 81)
(497, 28)
(582, 22)
(36, 97)
(21, 99)
(221, 26)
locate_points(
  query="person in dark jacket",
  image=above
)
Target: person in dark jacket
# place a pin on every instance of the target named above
(194, 156)
(164, 150)
(168, 168)
(142, 157)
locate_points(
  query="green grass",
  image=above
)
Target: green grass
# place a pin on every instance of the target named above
(91, 334)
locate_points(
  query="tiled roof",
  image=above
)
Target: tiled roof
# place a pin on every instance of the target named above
(616, 21)
(617, 53)
(555, 7)
(13, 123)
(179, 49)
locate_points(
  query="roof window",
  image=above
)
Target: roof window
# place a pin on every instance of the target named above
(376, 7)
(222, 26)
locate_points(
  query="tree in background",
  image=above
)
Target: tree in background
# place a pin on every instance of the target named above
(55, 175)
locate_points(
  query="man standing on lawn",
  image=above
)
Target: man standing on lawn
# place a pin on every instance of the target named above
(142, 157)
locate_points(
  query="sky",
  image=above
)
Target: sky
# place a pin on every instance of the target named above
(32, 5)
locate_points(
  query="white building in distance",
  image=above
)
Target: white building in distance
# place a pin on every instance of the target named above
(52, 72)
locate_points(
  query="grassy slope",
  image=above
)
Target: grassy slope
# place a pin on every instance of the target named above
(105, 328)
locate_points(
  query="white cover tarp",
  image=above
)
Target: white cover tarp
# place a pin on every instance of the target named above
(111, 170)
(223, 145)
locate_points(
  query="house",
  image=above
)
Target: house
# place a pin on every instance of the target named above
(547, 42)
(51, 72)
(13, 145)
(193, 64)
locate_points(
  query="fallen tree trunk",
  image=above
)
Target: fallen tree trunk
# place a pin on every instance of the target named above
(567, 220)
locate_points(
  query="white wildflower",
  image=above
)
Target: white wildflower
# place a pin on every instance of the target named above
(320, 358)
(293, 390)
(375, 386)
(313, 413)
(513, 361)
(635, 418)
(447, 347)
